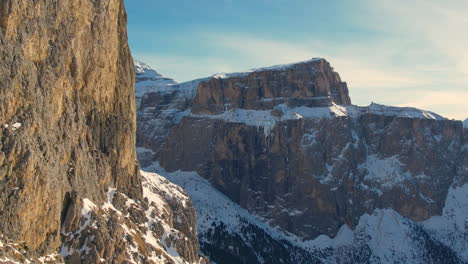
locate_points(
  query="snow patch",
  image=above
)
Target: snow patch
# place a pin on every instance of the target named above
(265, 119)
(451, 228)
(387, 172)
(16, 126)
(407, 112)
(281, 67)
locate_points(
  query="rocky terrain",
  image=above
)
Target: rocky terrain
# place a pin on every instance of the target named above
(70, 186)
(297, 174)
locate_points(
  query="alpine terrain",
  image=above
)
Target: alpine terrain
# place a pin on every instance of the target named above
(282, 168)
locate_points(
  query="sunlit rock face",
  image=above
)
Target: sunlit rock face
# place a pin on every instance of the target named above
(310, 83)
(67, 142)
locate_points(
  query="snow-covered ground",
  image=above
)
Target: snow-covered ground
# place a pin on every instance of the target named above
(451, 228)
(265, 118)
(390, 237)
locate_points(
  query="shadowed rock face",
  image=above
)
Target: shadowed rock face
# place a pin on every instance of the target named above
(310, 83)
(67, 141)
(312, 176)
(307, 167)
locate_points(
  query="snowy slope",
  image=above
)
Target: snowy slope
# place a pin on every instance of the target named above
(148, 79)
(381, 237)
(266, 118)
(451, 228)
(156, 232)
(465, 123)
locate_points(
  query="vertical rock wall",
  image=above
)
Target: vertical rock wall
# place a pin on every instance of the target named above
(67, 113)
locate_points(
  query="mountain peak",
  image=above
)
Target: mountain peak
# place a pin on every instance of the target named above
(143, 70)
(311, 83)
(280, 67)
(147, 79)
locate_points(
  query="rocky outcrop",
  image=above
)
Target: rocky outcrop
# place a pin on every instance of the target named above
(168, 103)
(327, 171)
(309, 168)
(67, 137)
(159, 229)
(147, 80)
(310, 83)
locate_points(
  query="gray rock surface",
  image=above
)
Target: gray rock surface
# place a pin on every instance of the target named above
(306, 168)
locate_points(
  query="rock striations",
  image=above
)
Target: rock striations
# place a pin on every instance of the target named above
(306, 174)
(70, 187)
(310, 83)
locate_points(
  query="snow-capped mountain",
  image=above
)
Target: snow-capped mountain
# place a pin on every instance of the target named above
(148, 80)
(282, 168)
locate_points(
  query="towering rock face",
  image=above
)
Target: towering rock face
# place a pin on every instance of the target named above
(69, 179)
(286, 145)
(327, 171)
(310, 83)
(66, 77)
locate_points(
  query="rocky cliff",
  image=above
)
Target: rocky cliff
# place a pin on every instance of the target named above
(70, 187)
(285, 144)
(309, 83)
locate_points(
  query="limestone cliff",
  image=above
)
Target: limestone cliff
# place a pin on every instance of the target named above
(286, 145)
(67, 136)
(309, 83)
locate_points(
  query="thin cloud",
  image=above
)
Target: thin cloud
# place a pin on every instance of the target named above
(357, 70)
(452, 104)
(417, 57)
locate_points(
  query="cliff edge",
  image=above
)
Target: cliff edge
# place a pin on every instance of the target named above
(70, 187)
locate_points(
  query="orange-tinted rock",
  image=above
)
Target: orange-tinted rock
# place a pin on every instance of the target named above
(311, 83)
(67, 139)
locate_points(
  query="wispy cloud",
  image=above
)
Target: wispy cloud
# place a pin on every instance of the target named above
(419, 56)
(356, 68)
(449, 103)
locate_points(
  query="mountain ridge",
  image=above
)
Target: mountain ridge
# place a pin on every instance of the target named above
(250, 152)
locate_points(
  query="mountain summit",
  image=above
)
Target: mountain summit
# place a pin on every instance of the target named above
(294, 173)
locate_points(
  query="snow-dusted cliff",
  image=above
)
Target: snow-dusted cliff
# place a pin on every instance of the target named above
(283, 169)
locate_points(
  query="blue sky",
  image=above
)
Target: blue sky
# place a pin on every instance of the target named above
(392, 52)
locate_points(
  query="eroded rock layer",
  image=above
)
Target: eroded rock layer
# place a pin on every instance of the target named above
(285, 144)
(309, 83)
(311, 176)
